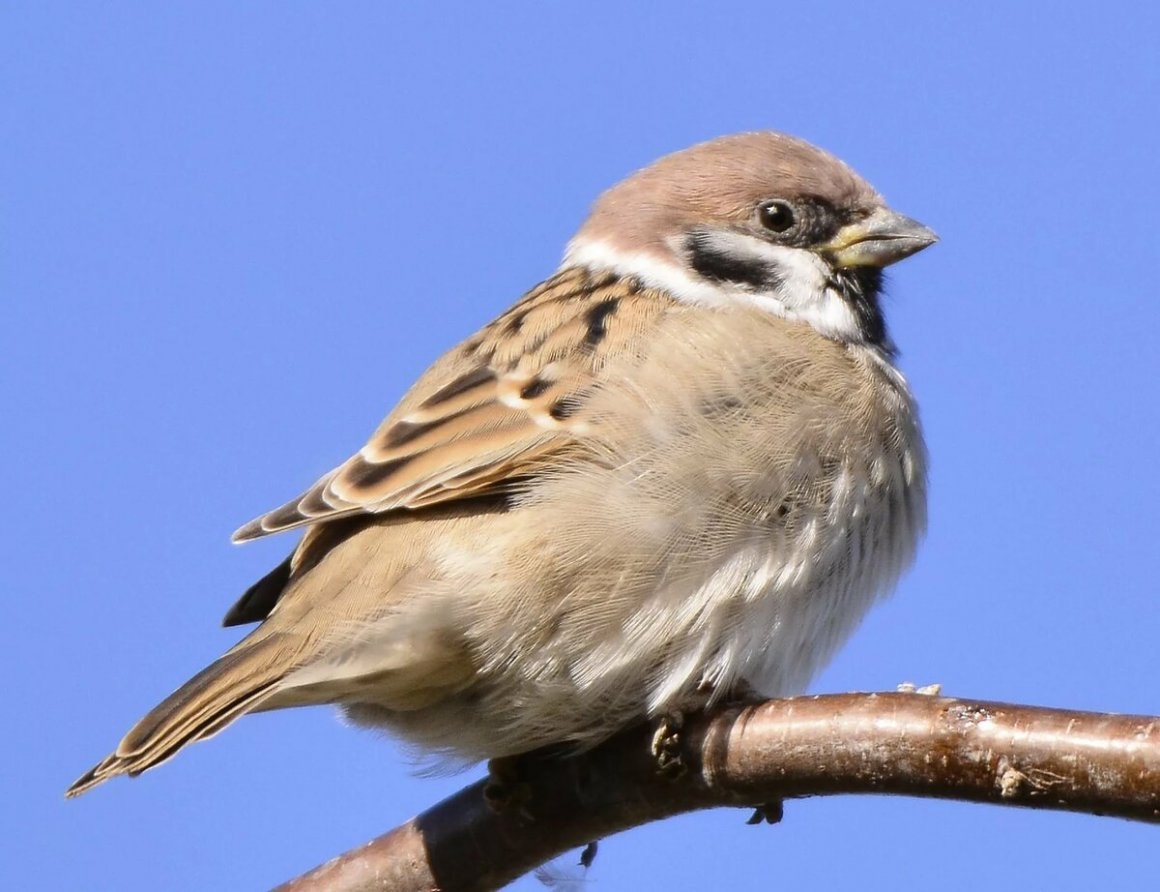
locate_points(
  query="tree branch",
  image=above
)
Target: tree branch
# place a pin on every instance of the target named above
(899, 743)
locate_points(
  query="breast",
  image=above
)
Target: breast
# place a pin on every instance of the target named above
(852, 525)
(767, 485)
(748, 490)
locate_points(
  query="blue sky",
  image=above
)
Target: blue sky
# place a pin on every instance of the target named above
(233, 234)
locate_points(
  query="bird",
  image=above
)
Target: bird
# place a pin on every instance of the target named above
(683, 466)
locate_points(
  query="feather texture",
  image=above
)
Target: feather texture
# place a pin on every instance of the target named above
(681, 467)
(490, 412)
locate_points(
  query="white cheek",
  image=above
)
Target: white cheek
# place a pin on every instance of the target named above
(803, 292)
(654, 271)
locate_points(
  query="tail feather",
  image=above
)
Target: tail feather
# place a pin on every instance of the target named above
(233, 685)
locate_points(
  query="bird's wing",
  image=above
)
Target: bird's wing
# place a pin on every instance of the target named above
(498, 409)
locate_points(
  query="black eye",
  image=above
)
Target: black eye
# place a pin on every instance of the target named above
(776, 216)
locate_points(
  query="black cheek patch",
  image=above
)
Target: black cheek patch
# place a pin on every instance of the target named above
(713, 262)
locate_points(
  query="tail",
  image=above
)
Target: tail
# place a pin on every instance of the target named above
(228, 688)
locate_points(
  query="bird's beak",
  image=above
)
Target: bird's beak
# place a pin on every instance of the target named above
(881, 239)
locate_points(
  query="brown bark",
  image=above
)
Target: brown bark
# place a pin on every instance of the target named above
(899, 743)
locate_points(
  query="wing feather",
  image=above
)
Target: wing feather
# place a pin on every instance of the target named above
(497, 409)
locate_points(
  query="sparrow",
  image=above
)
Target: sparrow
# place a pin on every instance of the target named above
(683, 466)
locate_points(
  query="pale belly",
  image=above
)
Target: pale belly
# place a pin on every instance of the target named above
(759, 613)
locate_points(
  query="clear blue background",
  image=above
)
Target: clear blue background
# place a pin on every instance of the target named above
(234, 233)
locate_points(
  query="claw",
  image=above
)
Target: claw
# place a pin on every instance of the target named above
(768, 813)
(666, 745)
(505, 789)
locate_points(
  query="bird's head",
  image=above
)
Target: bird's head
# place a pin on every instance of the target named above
(758, 218)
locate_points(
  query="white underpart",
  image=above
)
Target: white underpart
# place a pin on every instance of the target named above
(765, 620)
(804, 292)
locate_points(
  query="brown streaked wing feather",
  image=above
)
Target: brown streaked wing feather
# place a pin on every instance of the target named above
(498, 408)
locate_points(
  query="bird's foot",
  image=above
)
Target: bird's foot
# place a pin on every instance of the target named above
(505, 789)
(666, 745)
(768, 813)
